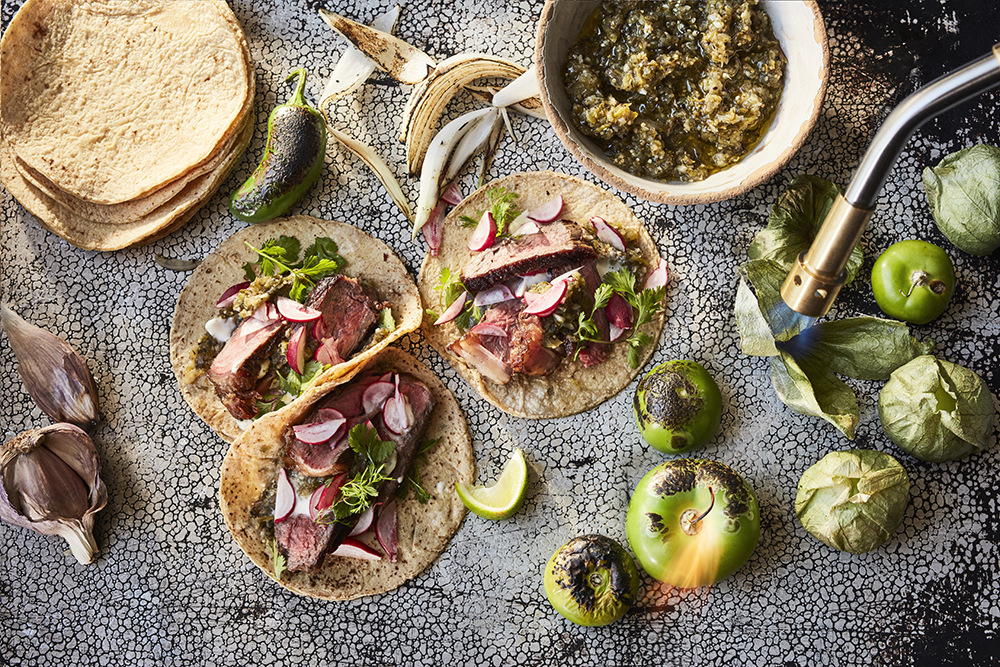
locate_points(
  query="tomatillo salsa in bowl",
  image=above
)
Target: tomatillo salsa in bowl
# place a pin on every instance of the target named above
(682, 101)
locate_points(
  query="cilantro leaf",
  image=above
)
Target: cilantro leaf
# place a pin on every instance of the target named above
(357, 494)
(412, 479)
(276, 257)
(645, 304)
(277, 560)
(500, 203)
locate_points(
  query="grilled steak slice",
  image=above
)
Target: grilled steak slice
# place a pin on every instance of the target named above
(303, 542)
(490, 354)
(527, 354)
(558, 247)
(350, 312)
(236, 368)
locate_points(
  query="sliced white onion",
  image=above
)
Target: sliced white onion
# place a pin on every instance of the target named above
(401, 60)
(378, 166)
(519, 89)
(353, 68)
(472, 143)
(496, 294)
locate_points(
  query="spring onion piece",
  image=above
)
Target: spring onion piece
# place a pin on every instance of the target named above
(378, 167)
(472, 143)
(402, 61)
(518, 90)
(354, 67)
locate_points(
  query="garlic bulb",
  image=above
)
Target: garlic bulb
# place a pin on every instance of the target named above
(50, 482)
(55, 375)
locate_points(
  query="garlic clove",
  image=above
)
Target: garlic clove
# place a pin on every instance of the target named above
(54, 374)
(50, 482)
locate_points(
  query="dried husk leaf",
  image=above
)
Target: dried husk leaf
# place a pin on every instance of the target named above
(50, 482)
(54, 374)
(935, 410)
(853, 500)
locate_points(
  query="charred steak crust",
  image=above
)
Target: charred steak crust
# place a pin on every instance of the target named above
(559, 245)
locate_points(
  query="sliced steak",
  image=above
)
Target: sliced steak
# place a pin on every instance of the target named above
(527, 354)
(303, 542)
(350, 311)
(558, 247)
(235, 370)
(490, 354)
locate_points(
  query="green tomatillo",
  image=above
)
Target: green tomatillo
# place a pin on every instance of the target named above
(913, 281)
(692, 522)
(591, 580)
(678, 406)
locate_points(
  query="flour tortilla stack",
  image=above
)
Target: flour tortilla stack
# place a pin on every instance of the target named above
(120, 118)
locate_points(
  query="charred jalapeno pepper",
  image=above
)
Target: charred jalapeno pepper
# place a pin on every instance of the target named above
(913, 281)
(293, 159)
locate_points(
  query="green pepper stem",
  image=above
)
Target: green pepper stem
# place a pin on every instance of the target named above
(297, 99)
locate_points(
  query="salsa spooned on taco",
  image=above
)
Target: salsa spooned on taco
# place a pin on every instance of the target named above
(550, 294)
(280, 306)
(350, 491)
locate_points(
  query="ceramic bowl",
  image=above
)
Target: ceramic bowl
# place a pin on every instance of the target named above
(798, 25)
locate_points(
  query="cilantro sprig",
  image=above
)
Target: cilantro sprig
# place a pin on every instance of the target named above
(645, 304)
(500, 203)
(357, 494)
(412, 479)
(451, 287)
(277, 560)
(280, 256)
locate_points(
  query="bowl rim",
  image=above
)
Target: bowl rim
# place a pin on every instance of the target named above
(752, 180)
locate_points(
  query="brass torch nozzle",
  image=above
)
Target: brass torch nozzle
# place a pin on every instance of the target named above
(813, 283)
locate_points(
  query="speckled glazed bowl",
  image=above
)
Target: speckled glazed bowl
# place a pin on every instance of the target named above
(798, 25)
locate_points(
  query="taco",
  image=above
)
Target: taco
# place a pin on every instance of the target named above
(395, 418)
(280, 306)
(559, 309)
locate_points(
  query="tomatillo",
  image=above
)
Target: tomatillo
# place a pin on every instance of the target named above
(913, 281)
(678, 406)
(692, 522)
(591, 580)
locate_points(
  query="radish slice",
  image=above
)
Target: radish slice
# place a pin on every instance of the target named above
(618, 311)
(319, 432)
(433, 229)
(485, 233)
(229, 296)
(548, 211)
(385, 530)
(364, 522)
(530, 227)
(327, 414)
(531, 297)
(397, 413)
(527, 282)
(614, 333)
(268, 312)
(375, 396)
(452, 194)
(565, 277)
(658, 277)
(319, 329)
(608, 234)
(284, 497)
(293, 311)
(296, 353)
(352, 548)
(496, 294)
(323, 497)
(486, 329)
(547, 303)
(454, 310)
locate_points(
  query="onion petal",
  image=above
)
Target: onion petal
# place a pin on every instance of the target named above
(353, 68)
(519, 89)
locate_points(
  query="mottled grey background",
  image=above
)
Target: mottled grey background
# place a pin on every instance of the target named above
(171, 588)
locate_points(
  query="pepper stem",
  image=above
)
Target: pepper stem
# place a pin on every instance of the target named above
(297, 99)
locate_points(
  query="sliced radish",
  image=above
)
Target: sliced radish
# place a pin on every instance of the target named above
(658, 277)
(433, 229)
(352, 548)
(385, 530)
(318, 432)
(530, 227)
(614, 333)
(296, 353)
(565, 277)
(515, 225)
(454, 310)
(487, 329)
(319, 329)
(531, 297)
(284, 497)
(375, 396)
(548, 211)
(328, 414)
(547, 303)
(293, 311)
(485, 233)
(495, 294)
(267, 312)
(229, 296)
(364, 522)
(527, 282)
(618, 311)
(327, 353)
(452, 194)
(397, 413)
(607, 233)
(324, 496)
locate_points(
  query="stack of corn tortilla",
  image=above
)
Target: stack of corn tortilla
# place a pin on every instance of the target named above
(120, 118)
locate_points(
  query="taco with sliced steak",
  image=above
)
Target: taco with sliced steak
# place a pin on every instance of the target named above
(547, 293)
(279, 307)
(350, 491)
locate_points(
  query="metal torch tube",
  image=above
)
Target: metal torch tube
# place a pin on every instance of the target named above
(813, 284)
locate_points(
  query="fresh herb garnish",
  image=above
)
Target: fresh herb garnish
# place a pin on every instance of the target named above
(500, 203)
(412, 479)
(645, 304)
(357, 494)
(280, 256)
(277, 560)
(451, 287)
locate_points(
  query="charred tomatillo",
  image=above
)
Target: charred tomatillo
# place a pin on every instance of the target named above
(678, 406)
(692, 522)
(913, 281)
(591, 580)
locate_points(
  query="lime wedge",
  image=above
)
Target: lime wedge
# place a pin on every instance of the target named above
(504, 497)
